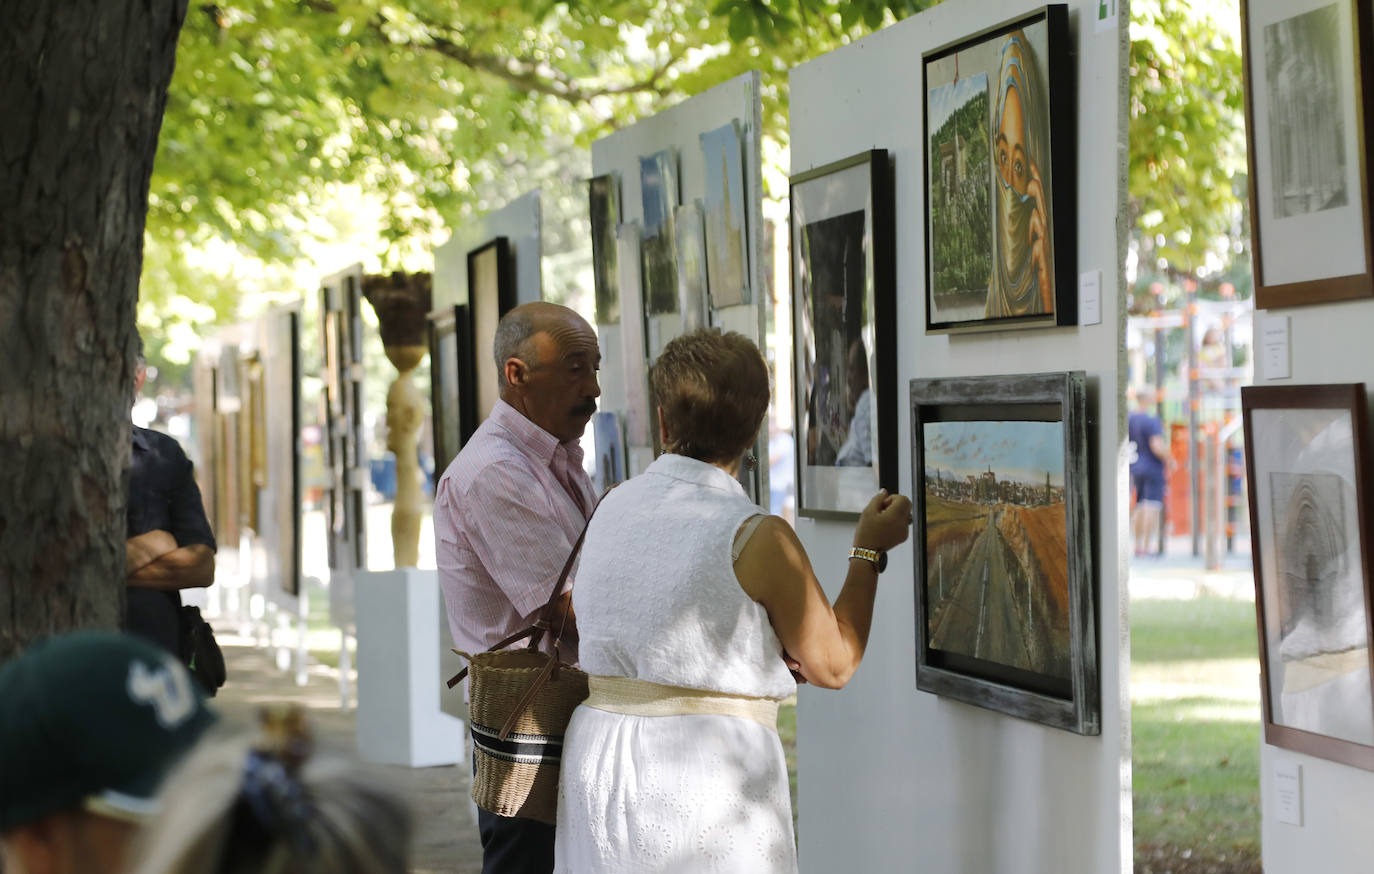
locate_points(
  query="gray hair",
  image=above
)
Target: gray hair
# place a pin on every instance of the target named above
(513, 335)
(354, 823)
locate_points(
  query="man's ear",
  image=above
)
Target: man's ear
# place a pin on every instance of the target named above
(515, 371)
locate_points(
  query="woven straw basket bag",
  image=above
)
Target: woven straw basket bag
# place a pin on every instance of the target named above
(516, 768)
(520, 702)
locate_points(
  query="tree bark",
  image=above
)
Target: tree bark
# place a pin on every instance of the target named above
(82, 91)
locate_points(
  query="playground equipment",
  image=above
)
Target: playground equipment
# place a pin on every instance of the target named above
(1200, 403)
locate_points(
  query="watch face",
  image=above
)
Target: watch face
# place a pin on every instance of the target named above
(882, 560)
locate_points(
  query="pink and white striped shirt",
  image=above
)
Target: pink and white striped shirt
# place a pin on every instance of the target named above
(506, 514)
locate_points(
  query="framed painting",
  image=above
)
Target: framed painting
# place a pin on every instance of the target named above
(1307, 468)
(452, 396)
(691, 266)
(659, 189)
(1308, 118)
(1005, 596)
(491, 293)
(603, 195)
(1000, 181)
(727, 237)
(634, 352)
(844, 334)
(609, 444)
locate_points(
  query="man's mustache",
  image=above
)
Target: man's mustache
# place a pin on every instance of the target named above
(585, 409)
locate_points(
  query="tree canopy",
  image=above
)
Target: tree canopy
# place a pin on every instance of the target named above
(1187, 143)
(441, 110)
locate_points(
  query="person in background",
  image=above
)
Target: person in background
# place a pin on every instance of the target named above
(857, 450)
(1149, 456)
(170, 546)
(508, 510)
(269, 805)
(90, 724)
(695, 608)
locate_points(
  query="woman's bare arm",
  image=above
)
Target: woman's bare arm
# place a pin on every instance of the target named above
(827, 641)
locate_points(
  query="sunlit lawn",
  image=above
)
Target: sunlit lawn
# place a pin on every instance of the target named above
(1196, 729)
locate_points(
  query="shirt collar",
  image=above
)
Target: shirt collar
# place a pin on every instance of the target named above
(140, 439)
(693, 471)
(533, 439)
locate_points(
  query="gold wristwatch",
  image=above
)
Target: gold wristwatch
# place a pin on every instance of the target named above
(877, 556)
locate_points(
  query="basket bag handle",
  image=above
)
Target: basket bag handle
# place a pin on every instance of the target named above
(535, 632)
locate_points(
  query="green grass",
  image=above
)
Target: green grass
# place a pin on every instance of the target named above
(1195, 728)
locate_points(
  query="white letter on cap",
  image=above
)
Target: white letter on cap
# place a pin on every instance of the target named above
(166, 688)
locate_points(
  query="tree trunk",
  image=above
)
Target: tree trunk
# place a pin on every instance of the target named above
(82, 90)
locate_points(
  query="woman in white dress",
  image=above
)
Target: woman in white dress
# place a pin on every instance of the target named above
(694, 611)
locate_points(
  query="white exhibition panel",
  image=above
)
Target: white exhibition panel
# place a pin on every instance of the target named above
(518, 221)
(1335, 799)
(891, 778)
(679, 128)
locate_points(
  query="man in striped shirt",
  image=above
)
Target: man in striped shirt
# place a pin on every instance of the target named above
(509, 509)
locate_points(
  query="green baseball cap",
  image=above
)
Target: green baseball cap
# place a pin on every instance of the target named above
(93, 719)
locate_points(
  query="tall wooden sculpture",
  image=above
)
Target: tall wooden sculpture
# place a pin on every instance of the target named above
(401, 302)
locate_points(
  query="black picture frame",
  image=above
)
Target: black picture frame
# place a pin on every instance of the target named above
(1005, 591)
(603, 199)
(659, 192)
(1307, 465)
(453, 399)
(842, 232)
(974, 281)
(491, 294)
(346, 450)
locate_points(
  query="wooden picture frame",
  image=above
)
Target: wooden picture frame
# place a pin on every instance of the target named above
(1005, 590)
(1307, 466)
(491, 294)
(1001, 247)
(453, 398)
(1309, 117)
(844, 343)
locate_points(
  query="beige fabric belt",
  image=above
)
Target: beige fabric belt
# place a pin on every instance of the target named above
(642, 698)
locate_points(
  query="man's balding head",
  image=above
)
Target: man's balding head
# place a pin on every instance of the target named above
(547, 357)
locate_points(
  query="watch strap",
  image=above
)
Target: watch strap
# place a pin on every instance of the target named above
(874, 556)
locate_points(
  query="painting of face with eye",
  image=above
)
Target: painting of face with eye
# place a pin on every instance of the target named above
(998, 119)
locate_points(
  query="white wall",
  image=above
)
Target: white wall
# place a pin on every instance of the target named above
(680, 127)
(519, 221)
(900, 780)
(1326, 346)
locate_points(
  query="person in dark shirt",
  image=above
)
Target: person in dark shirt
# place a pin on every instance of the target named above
(1148, 461)
(170, 546)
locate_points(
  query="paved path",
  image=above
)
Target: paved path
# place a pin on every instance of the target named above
(445, 839)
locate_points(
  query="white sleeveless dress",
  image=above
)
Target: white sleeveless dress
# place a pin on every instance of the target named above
(656, 599)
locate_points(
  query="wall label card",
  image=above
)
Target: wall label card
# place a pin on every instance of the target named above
(1288, 792)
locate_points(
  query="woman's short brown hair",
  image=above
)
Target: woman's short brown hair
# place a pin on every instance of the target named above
(713, 390)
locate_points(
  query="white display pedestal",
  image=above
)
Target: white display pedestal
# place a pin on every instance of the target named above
(399, 720)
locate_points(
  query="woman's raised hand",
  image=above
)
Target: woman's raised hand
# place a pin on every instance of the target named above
(884, 523)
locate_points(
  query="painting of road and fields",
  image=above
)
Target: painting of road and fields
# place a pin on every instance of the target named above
(996, 585)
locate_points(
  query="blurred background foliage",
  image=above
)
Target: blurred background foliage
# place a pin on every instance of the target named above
(303, 135)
